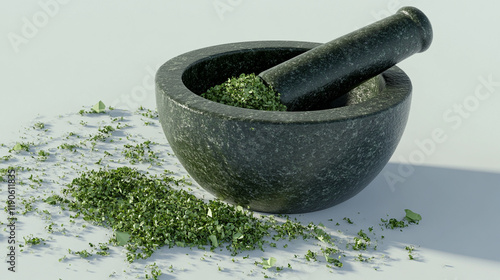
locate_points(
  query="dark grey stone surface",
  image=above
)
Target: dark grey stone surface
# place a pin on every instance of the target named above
(313, 79)
(278, 162)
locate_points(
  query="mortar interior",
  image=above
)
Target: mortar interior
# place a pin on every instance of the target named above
(206, 73)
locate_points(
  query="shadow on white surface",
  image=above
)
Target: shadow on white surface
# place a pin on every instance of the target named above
(460, 208)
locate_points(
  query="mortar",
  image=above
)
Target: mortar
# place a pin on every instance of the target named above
(277, 162)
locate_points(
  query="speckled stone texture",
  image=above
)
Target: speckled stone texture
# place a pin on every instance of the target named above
(312, 79)
(277, 162)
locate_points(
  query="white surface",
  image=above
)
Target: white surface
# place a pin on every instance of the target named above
(84, 51)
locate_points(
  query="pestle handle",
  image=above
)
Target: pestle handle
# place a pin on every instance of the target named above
(318, 76)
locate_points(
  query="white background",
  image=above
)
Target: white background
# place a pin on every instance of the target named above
(56, 58)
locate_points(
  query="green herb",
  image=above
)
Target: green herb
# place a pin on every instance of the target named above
(246, 91)
(146, 213)
(361, 241)
(155, 271)
(31, 240)
(412, 217)
(361, 258)
(21, 146)
(268, 263)
(348, 220)
(122, 238)
(138, 152)
(83, 254)
(310, 255)
(107, 129)
(6, 158)
(43, 155)
(410, 251)
(35, 180)
(28, 204)
(148, 113)
(49, 227)
(99, 108)
(53, 199)
(104, 133)
(289, 230)
(393, 223)
(39, 125)
(329, 254)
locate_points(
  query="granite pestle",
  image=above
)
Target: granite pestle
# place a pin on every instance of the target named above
(312, 80)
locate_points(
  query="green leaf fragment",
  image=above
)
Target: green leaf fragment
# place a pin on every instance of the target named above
(238, 236)
(51, 200)
(99, 107)
(122, 238)
(412, 217)
(213, 239)
(266, 264)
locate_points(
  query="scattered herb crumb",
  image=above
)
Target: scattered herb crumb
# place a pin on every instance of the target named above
(32, 241)
(310, 255)
(348, 220)
(154, 273)
(410, 252)
(39, 125)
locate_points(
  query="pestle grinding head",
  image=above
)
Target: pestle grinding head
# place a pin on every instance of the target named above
(421, 20)
(315, 78)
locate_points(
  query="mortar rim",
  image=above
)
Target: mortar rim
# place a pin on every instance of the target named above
(169, 82)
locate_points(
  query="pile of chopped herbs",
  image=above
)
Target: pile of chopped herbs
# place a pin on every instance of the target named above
(246, 91)
(147, 212)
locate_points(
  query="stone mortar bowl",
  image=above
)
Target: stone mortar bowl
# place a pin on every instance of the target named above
(277, 162)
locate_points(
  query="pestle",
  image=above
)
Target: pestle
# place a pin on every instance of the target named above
(313, 79)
